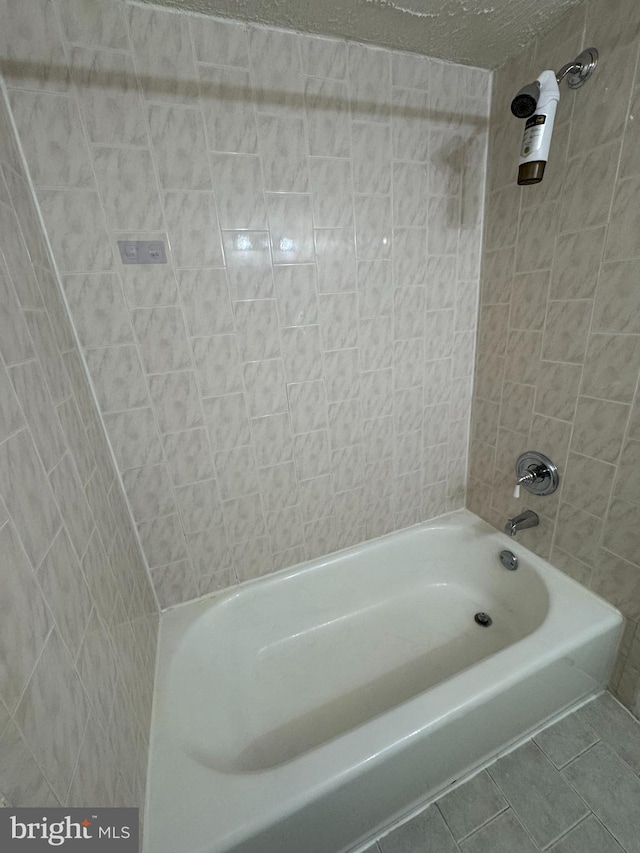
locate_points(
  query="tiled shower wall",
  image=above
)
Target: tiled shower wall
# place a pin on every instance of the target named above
(297, 377)
(559, 333)
(78, 618)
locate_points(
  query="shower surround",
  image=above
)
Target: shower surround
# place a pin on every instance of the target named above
(78, 617)
(559, 321)
(297, 378)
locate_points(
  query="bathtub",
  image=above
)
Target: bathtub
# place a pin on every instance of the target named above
(305, 711)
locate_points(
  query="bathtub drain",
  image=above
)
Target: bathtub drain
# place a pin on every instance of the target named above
(483, 619)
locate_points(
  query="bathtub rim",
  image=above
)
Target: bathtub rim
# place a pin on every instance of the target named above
(444, 520)
(172, 628)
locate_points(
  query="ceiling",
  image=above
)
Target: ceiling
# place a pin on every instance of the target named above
(484, 33)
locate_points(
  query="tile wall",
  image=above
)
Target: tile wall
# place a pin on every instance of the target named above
(559, 328)
(297, 378)
(78, 617)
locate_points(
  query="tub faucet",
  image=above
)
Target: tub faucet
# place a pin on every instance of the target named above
(526, 519)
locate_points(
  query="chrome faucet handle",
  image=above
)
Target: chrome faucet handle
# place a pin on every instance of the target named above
(529, 477)
(537, 473)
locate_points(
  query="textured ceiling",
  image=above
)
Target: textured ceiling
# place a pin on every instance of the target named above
(474, 32)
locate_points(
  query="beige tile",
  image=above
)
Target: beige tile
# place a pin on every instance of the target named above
(497, 273)
(220, 42)
(484, 423)
(95, 777)
(243, 518)
(98, 308)
(27, 495)
(611, 367)
(47, 349)
(98, 499)
(77, 229)
(634, 422)
(599, 428)
(630, 159)
(228, 108)
(578, 533)
(149, 492)
(504, 151)
(529, 300)
(493, 328)
(193, 229)
(627, 486)
(593, 196)
(175, 583)
(571, 566)
(327, 111)
(557, 389)
(148, 286)
(163, 54)
(49, 126)
(162, 339)
(581, 471)
(33, 31)
(70, 497)
(101, 23)
(489, 374)
(180, 147)
(18, 262)
(252, 558)
(21, 777)
(134, 438)
(66, 592)
(566, 330)
(622, 239)
(162, 541)
(109, 98)
(117, 374)
(15, 343)
(199, 505)
(26, 619)
(522, 356)
(11, 416)
(617, 304)
(55, 735)
(502, 217)
(602, 117)
(128, 188)
(536, 231)
(99, 577)
(622, 529)
(619, 27)
(517, 406)
(188, 456)
(239, 187)
(618, 581)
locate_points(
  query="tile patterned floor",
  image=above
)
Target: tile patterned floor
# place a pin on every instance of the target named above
(574, 788)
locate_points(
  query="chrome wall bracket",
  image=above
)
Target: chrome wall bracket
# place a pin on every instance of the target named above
(579, 71)
(537, 473)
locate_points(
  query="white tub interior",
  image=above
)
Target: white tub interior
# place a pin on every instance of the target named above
(315, 705)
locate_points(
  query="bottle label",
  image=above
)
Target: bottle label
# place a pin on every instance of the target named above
(533, 133)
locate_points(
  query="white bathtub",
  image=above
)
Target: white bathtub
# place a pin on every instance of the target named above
(307, 710)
